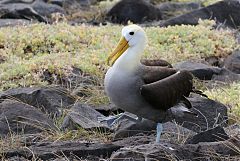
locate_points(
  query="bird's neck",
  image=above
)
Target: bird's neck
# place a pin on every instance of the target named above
(129, 61)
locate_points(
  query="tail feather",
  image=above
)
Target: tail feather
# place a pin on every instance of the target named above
(186, 102)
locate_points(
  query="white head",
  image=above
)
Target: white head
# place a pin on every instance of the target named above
(130, 46)
(134, 35)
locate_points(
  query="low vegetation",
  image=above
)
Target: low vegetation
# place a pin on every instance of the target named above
(204, 2)
(230, 96)
(27, 51)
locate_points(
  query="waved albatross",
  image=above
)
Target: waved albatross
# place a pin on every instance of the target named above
(156, 93)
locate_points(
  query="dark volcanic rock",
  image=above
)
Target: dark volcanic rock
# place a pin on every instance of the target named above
(49, 100)
(172, 9)
(16, 158)
(210, 113)
(207, 72)
(83, 116)
(46, 151)
(30, 10)
(76, 3)
(232, 62)
(199, 70)
(127, 128)
(213, 135)
(17, 117)
(135, 11)
(226, 12)
(166, 152)
(138, 139)
(13, 22)
(57, 2)
(107, 110)
(226, 76)
(20, 11)
(46, 9)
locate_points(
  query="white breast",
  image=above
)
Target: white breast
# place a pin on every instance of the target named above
(122, 88)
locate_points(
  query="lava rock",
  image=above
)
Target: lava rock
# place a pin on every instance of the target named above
(13, 22)
(16, 158)
(84, 116)
(127, 128)
(57, 2)
(207, 72)
(213, 135)
(17, 118)
(107, 110)
(30, 10)
(172, 9)
(46, 9)
(135, 11)
(232, 62)
(210, 114)
(49, 100)
(138, 139)
(225, 12)
(226, 76)
(51, 150)
(199, 70)
(85, 3)
(167, 151)
(20, 11)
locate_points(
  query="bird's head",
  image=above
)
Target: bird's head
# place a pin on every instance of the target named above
(133, 36)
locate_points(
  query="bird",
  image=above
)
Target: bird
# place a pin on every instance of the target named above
(149, 89)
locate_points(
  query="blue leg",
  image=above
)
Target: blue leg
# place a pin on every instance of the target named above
(159, 131)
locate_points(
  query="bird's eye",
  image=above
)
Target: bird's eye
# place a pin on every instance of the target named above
(131, 33)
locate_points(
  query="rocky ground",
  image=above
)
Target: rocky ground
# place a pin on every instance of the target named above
(58, 121)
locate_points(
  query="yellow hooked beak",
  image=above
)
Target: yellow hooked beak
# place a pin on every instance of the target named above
(122, 46)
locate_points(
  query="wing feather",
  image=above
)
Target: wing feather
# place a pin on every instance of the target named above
(154, 73)
(167, 92)
(156, 62)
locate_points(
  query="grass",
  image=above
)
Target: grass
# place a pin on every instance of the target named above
(229, 95)
(28, 51)
(204, 2)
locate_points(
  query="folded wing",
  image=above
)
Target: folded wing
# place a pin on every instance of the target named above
(166, 87)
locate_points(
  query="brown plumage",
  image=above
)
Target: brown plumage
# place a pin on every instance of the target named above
(164, 86)
(156, 62)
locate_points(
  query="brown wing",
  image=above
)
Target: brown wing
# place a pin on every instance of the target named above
(156, 62)
(154, 73)
(165, 93)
